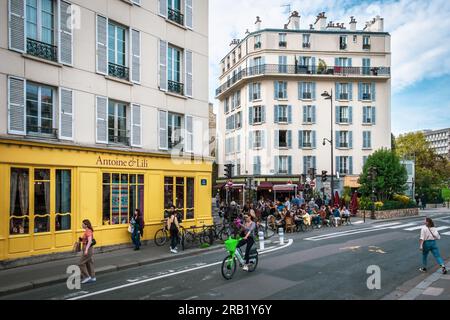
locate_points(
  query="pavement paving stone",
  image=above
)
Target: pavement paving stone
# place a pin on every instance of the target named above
(432, 291)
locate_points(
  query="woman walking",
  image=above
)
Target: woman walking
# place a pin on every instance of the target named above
(138, 227)
(428, 237)
(172, 224)
(86, 263)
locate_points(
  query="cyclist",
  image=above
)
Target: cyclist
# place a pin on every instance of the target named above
(249, 238)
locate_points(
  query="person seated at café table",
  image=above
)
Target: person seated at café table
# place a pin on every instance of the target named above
(345, 215)
(315, 217)
(306, 218)
(323, 216)
(336, 215)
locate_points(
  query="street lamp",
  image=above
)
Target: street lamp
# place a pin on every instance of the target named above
(329, 96)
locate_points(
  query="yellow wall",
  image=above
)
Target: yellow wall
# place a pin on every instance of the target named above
(87, 194)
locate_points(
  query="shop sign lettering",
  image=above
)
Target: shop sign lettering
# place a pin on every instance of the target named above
(122, 163)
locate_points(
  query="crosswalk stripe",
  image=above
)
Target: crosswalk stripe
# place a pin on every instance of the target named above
(403, 226)
(446, 234)
(442, 228)
(414, 228)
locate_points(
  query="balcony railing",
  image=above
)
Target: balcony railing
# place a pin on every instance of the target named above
(344, 120)
(118, 71)
(175, 16)
(119, 140)
(343, 46)
(42, 131)
(258, 45)
(41, 50)
(175, 87)
(282, 119)
(283, 44)
(274, 69)
(307, 95)
(366, 46)
(306, 45)
(343, 96)
(367, 96)
(307, 145)
(343, 145)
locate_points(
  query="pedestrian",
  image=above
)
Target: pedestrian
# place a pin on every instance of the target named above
(86, 263)
(248, 239)
(218, 199)
(427, 244)
(173, 226)
(137, 225)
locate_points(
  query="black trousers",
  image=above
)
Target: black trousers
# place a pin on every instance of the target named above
(250, 241)
(173, 238)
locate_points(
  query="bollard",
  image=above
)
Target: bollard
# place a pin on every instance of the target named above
(261, 240)
(281, 234)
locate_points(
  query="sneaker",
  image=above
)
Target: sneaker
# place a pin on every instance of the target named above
(444, 270)
(245, 267)
(86, 280)
(93, 280)
(423, 269)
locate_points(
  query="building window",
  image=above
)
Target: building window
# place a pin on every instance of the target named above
(19, 201)
(117, 123)
(122, 194)
(226, 104)
(307, 139)
(282, 113)
(366, 91)
(174, 11)
(282, 40)
(343, 42)
(257, 142)
(280, 90)
(40, 110)
(309, 163)
(117, 51)
(174, 61)
(180, 192)
(367, 140)
(344, 114)
(257, 41)
(256, 91)
(366, 42)
(175, 130)
(309, 114)
(282, 64)
(41, 200)
(369, 115)
(307, 90)
(239, 53)
(257, 114)
(344, 92)
(343, 165)
(283, 139)
(283, 165)
(41, 29)
(63, 200)
(344, 139)
(306, 41)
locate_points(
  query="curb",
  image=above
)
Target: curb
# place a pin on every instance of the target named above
(25, 286)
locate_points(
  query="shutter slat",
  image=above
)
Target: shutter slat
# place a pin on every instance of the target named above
(189, 70)
(16, 107)
(102, 45)
(17, 25)
(102, 119)
(65, 33)
(163, 65)
(189, 14)
(136, 125)
(135, 56)
(66, 114)
(163, 137)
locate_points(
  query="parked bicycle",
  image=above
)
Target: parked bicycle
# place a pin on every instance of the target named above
(235, 256)
(162, 236)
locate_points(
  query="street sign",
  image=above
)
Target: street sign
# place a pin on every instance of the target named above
(327, 185)
(312, 184)
(308, 179)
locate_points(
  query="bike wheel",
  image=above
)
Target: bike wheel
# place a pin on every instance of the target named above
(228, 267)
(188, 240)
(268, 233)
(161, 237)
(253, 263)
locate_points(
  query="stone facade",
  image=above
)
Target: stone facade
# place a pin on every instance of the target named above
(389, 214)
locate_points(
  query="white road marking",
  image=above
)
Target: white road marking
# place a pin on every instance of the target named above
(414, 228)
(442, 228)
(403, 226)
(446, 234)
(290, 241)
(358, 222)
(351, 232)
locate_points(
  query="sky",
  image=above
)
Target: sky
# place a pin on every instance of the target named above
(420, 43)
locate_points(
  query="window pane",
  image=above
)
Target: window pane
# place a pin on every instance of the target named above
(41, 224)
(106, 204)
(41, 197)
(63, 191)
(180, 198)
(133, 201)
(19, 193)
(115, 204)
(42, 174)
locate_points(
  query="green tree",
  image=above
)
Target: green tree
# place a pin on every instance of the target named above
(391, 175)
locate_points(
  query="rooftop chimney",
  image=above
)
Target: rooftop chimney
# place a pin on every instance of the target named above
(294, 21)
(352, 24)
(321, 21)
(378, 24)
(258, 24)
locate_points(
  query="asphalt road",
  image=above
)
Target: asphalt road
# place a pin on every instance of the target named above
(330, 263)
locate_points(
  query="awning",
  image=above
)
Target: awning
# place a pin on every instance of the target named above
(285, 187)
(219, 186)
(265, 185)
(238, 186)
(351, 182)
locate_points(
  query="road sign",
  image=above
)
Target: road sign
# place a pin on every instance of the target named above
(312, 184)
(327, 184)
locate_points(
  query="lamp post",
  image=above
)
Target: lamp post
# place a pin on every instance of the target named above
(329, 96)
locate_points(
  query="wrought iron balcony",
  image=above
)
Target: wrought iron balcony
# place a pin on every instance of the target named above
(343, 46)
(366, 46)
(258, 45)
(307, 145)
(44, 132)
(367, 96)
(343, 120)
(175, 87)
(307, 95)
(283, 44)
(282, 119)
(306, 45)
(119, 140)
(343, 96)
(42, 50)
(274, 69)
(175, 16)
(343, 145)
(118, 71)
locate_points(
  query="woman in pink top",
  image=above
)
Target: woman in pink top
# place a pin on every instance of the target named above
(86, 264)
(427, 243)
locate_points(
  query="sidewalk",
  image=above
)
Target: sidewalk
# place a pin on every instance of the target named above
(47, 273)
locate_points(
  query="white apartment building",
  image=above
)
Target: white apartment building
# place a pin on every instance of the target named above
(439, 141)
(103, 109)
(273, 120)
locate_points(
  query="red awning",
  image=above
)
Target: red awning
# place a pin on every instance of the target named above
(285, 187)
(265, 185)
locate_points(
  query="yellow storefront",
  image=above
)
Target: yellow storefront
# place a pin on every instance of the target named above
(47, 190)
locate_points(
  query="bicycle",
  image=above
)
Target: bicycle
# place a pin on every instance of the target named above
(266, 229)
(162, 236)
(191, 236)
(235, 256)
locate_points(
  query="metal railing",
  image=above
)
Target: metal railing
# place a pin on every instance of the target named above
(258, 45)
(119, 140)
(42, 131)
(175, 87)
(274, 69)
(307, 145)
(366, 96)
(175, 16)
(343, 145)
(343, 96)
(306, 45)
(342, 46)
(42, 50)
(283, 44)
(366, 46)
(118, 71)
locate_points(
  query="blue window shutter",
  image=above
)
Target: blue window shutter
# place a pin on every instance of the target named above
(289, 139)
(338, 112)
(349, 62)
(374, 91)
(263, 114)
(338, 164)
(300, 90)
(350, 139)
(314, 143)
(289, 114)
(263, 139)
(304, 114)
(313, 90)
(350, 114)
(250, 92)
(364, 114)
(373, 115)
(285, 90)
(275, 114)
(300, 139)
(290, 165)
(250, 140)
(364, 139)
(350, 165)
(350, 91)
(314, 162)
(360, 91)
(305, 169)
(338, 90)
(336, 62)
(338, 142)
(276, 167)
(369, 139)
(313, 61)
(250, 115)
(277, 139)
(313, 114)
(275, 88)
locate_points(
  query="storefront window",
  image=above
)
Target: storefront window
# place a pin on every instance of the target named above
(180, 192)
(63, 200)
(41, 200)
(122, 194)
(19, 201)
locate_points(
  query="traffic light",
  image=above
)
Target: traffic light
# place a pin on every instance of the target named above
(229, 171)
(324, 175)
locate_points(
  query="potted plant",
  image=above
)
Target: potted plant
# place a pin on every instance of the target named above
(321, 69)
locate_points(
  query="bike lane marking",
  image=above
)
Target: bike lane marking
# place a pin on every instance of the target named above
(290, 241)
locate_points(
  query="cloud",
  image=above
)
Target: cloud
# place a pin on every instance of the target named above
(420, 30)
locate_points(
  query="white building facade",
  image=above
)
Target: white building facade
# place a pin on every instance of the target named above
(439, 141)
(272, 119)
